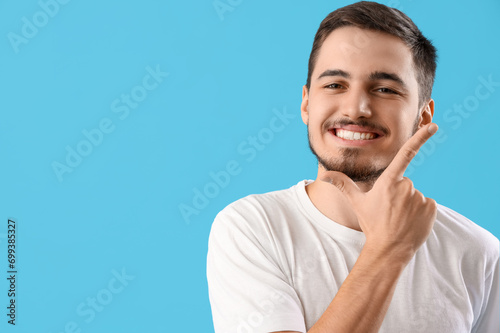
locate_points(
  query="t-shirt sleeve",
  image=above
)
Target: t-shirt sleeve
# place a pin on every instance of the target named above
(489, 319)
(248, 291)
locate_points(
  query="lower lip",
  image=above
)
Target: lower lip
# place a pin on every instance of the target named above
(353, 143)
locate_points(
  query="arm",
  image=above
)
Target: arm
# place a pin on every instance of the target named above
(363, 299)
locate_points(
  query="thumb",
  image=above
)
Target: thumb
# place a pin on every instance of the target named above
(342, 182)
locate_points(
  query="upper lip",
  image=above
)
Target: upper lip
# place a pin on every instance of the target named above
(356, 128)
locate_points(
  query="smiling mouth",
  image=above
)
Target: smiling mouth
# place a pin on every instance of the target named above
(353, 135)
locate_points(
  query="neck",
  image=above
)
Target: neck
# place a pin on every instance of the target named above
(332, 203)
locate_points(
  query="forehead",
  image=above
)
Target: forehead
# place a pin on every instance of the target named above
(361, 52)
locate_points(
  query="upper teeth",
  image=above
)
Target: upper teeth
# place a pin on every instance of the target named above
(349, 135)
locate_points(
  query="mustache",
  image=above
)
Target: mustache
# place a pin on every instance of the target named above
(361, 122)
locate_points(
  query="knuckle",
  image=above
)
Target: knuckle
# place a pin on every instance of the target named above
(432, 203)
(407, 180)
(410, 152)
(420, 197)
(408, 184)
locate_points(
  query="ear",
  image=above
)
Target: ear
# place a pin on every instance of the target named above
(427, 113)
(304, 106)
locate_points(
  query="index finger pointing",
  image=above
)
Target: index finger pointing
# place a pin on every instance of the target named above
(397, 167)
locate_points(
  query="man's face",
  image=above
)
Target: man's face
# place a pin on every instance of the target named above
(362, 105)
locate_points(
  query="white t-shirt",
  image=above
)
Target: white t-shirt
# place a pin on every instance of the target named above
(275, 263)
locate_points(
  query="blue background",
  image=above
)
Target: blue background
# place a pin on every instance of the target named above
(120, 207)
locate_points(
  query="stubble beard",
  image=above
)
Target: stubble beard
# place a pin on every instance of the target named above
(348, 162)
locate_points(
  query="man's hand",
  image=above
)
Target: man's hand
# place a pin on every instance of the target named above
(395, 218)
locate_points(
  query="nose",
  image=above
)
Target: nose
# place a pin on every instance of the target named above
(356, 103)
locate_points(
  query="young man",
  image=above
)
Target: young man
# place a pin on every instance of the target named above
(359, 249)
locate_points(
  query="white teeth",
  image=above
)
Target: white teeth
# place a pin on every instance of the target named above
(349, 135)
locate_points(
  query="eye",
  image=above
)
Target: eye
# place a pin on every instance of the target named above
(334, 86)
(386, 91)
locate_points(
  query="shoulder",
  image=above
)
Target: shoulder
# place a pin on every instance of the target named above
(262, 206)
(254, 226)
(452, 221)
(258, 216)
(456, 231)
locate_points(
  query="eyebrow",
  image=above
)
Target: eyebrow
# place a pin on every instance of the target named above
(387, 76)
(335, 72)
(373, 76)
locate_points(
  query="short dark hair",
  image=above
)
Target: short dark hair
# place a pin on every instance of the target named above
(378, 17)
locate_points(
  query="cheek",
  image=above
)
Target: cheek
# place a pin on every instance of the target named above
(400, 136)
(408, 127)
(319, 111)
(399, 120)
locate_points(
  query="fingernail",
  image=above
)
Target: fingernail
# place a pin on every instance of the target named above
(327, 180)
(433, 128)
